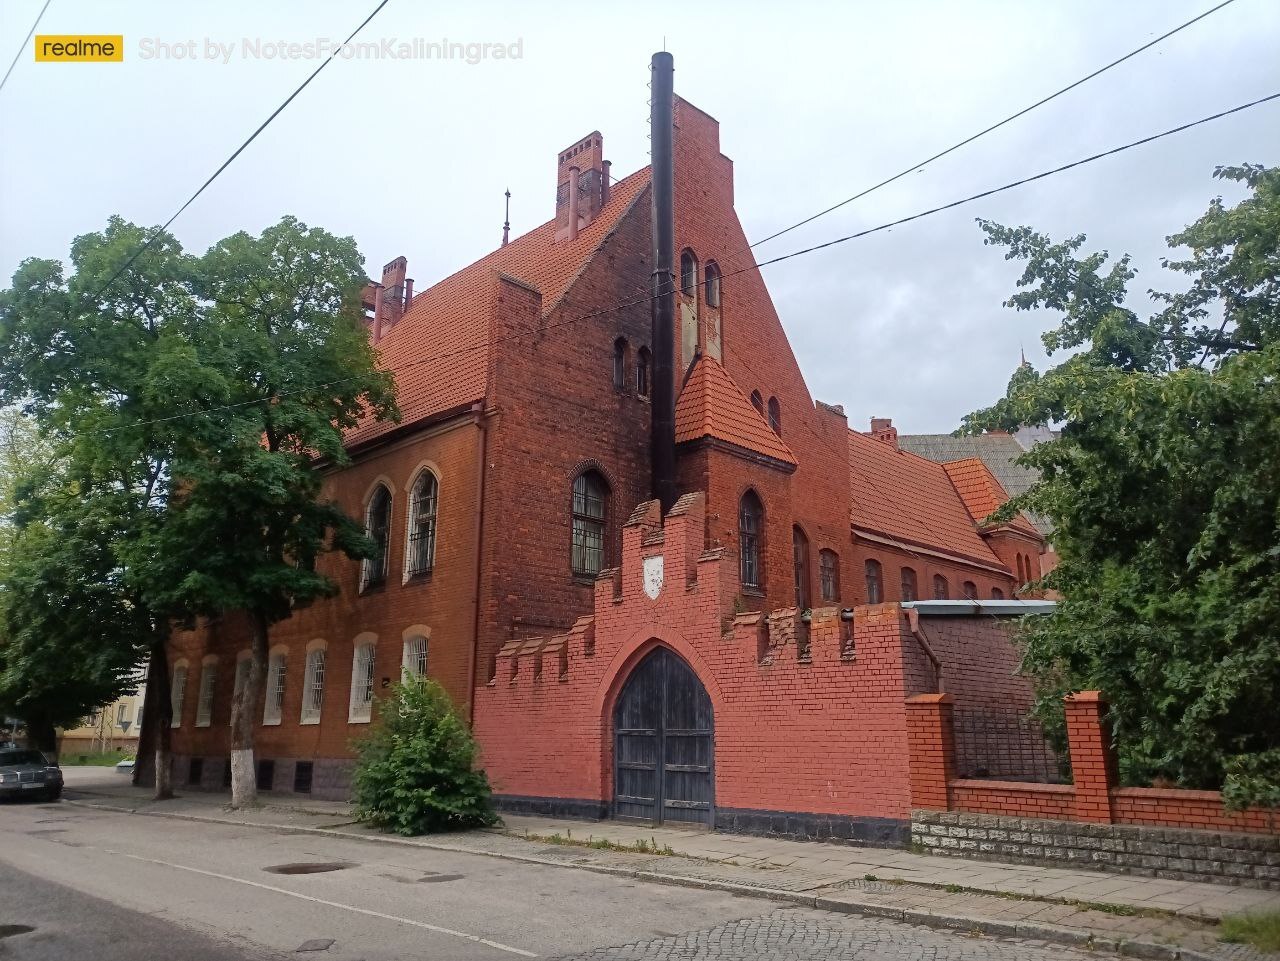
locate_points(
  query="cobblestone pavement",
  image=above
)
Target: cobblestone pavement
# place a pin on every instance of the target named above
(797, 934)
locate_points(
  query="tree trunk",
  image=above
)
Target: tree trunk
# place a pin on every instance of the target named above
(157, 715)
(244, 708)
(42, 735)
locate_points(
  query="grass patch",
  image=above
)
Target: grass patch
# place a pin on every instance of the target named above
(1261, 929)
(100, 759)
(642, 846)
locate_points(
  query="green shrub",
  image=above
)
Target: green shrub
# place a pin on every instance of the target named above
(415, 770)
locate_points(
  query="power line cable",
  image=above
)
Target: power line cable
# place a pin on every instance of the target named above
(448, 355)
(995, 126)
(238, 151)
(23, 45)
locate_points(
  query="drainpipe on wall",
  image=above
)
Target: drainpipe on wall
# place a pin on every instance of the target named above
(913, 622)
(477, 410)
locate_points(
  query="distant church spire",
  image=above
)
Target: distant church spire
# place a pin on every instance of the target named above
(506, 225)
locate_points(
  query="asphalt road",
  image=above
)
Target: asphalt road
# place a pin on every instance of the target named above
(99, 885)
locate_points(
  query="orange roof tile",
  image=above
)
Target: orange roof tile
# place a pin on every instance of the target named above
(712, 405)
(440, 349)
(982, 493)
(906, 498)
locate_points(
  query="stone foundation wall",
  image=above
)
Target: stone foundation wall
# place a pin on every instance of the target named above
(330, 777)
(1251, 860)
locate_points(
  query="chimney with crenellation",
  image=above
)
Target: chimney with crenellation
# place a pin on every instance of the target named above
(580, 174)
(882, 429)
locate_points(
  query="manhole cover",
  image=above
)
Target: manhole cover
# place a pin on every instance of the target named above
(308, 867)
(436, 878)
(9, 930)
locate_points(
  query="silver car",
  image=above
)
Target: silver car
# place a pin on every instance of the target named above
(29, 773)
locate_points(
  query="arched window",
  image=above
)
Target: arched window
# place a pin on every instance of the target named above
(204, 698)
(711, 279)
(273, 702)
(970, 590)
(620, 364)
(757, 401)
(377, 526)
(875, 582)
(313, 683)
(688, 272)
(909, 592)
(941, 590)
(1031, 572)
(1022, 572)
(363, 661)
(800, 554)
(178, 692)
(750, 526)
(424, 499)
(829, 569)
(775, 416)
(642, 372)
(413, 660)
(590, 503)
(997, 594)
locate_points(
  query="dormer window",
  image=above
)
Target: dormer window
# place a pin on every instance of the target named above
(688, 273)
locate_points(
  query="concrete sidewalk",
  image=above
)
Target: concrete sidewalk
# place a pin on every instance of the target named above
(1150, 917)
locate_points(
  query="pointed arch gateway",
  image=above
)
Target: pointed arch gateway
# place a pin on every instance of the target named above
(664, 744)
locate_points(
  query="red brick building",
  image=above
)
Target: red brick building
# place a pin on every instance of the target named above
(512, 574)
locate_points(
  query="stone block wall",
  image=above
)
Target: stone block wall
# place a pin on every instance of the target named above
(1182, 854)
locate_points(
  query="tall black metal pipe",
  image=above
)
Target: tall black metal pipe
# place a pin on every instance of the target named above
(663, 439)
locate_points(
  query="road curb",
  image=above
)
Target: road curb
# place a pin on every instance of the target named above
(989, 927)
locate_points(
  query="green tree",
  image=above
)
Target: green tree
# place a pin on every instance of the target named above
(415, 770)
(284, 324)
(1164, 492)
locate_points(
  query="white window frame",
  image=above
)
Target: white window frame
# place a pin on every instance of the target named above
(206, 691)
(364, 663)
(243, 664)
(273, 695)
(413, 528)
(417, 649)
(122, 714)
(366, 566)
(313, 683)
(178, 692)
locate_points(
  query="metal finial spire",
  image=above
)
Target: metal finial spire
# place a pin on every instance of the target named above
(506, 225)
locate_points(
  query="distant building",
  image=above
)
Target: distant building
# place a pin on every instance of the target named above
(112, 728)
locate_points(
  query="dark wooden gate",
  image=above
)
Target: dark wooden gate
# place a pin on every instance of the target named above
(664, 744)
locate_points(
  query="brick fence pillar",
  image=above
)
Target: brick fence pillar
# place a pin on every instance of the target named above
(1093, 759)
(931, 750)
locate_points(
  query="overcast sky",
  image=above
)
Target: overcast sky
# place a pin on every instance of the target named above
(816, 101)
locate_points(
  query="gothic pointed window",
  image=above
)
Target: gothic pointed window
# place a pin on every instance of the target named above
(688, 273)
(590, 505)
(775, 416)
(620, 364)
(711, 280)
(757, 401)
(750, 529)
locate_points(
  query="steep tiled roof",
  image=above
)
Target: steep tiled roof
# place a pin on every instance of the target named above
(998, 451)
(904, 497)
(982, 493)
(440, 349)
(712, 405)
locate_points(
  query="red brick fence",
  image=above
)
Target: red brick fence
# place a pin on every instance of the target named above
(1176, 833)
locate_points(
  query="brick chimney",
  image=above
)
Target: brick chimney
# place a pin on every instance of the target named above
(882, 429)
(394, 300)
(583, 165)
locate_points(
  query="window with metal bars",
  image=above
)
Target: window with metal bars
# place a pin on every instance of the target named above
(273, 703)
(829, 571)
(423, 503)
(590, 507)
(414, 660)
(313, 687)
(178, 694)
(970, 591)
(204, 704)
(377, 526)
(875, 582)
(362, 665)
(750, 525)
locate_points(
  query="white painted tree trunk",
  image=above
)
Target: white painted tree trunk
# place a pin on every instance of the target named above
(244, 711)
